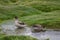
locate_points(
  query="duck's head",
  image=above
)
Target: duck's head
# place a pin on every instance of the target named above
(16, 17)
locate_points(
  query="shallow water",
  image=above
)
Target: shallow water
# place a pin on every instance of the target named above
(9, 28)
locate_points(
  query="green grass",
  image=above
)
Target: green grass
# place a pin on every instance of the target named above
(17, 38)
(16, 11)
(44, 12)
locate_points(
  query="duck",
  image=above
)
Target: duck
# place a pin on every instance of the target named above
(19, 24)
(37, 28)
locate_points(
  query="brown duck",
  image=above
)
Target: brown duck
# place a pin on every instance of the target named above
(19, 24)
(37, 28)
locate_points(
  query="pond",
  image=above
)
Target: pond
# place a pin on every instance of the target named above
(9, 28)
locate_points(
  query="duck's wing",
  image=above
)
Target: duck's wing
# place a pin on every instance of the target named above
(22, 23)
